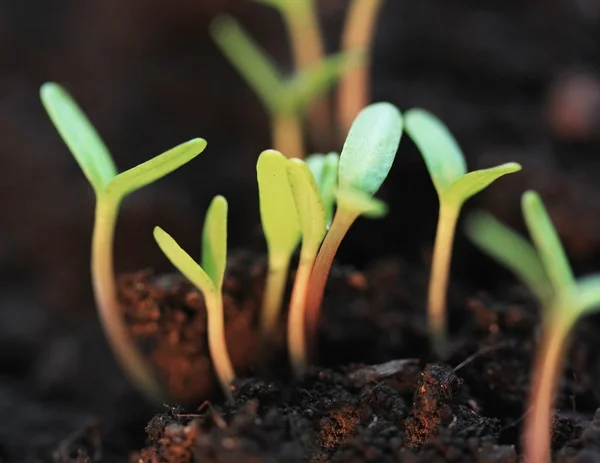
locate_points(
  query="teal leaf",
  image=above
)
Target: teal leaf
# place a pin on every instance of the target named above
(325, 171)
(355, 200)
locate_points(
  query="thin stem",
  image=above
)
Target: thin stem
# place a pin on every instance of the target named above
(126, 352)
(546, 376)
(287, 135)
(359, 31)
(217, 342)
(342, 221)
(438, 280)
(273, 296)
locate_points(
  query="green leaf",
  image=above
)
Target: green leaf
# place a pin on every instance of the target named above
(587, 295)
(443, 157)
(547, 243)
(214, 241)
(251, 61)
(80, 136)
(355, 200)
(184, 263)
(512, 251)
(325, 171)
(280, 221)
(473, 182)
(370, 148)
(311, 211)
(154, 169)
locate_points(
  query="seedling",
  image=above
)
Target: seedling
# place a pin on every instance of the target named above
(448, 170)
(364, 163)
(324, 168)
(543, 267)
(208, 278)
(110, 189)
(281, 227)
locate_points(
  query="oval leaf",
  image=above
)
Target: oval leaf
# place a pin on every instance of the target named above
(370, 148)
(183, 262)
(361, 203)
(214, 241)
(79, 135)
(311, 211)
(154, 169)
(442, 155)
(280, 221)
(325, 171)
(473, 182)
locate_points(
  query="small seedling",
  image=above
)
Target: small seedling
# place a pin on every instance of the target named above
(543, 267)
(281, 227)
(110, 189)
(325, 171)
(208, 278)
(364, 163)
(448, 170)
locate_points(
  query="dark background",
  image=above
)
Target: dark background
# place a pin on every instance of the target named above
(515, 80)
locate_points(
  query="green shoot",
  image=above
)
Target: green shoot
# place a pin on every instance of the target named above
(281, 227)
(364, 163)
(110, 189)
(448, 170)
(325, 170)
(208, 278)
(313, 221)
(544, 268)
(359, 31)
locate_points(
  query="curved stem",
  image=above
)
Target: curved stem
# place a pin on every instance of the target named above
(217, 342)
(438, 280)
(273, 295)
(128, 355)
(296, 317)
(546, 375)
(287, 135)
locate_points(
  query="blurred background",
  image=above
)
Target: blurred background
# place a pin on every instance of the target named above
(515, 80)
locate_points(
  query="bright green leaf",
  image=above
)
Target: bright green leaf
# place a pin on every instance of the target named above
(280, 221)
(307, 198)
(154, 169)
(547, 243)
(443, 157)
(588, 294)
(214, 241)
(80, 136)
(355, 200)
(370, 148)
(512, 250)
(183, 262)
(473, 182)
(325, 171)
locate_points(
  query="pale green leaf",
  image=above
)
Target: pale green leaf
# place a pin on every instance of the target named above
(473, 182)
(79, 135)
(184, 263)
(370, 148)
(355, 200)
(154, 169)
(547, 243)
(511, 250)
(587, 295)
(443, 157)
(309, 205)
(214, 241)
(325, 171)
(280, 221)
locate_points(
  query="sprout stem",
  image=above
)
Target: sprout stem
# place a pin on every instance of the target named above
(128, 355)
(273, 295)
(342, 221)
(287, 135)
(546, 375)
(217, 342)
(438, 282)
(296, 317)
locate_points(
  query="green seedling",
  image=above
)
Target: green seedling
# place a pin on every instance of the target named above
(364, 163)
(543, 267)
(110, 189)
(281, 227)
(208, 278)
(324, 168)
(448, 170)
(313, 221)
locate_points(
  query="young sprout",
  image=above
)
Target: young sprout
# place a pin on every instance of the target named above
(324, 168)
(544, 268)
(281, 227)
(313, 221)
(364, 163)
(110, 189)
(284, 99)
(448, 170)
(208, 278)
